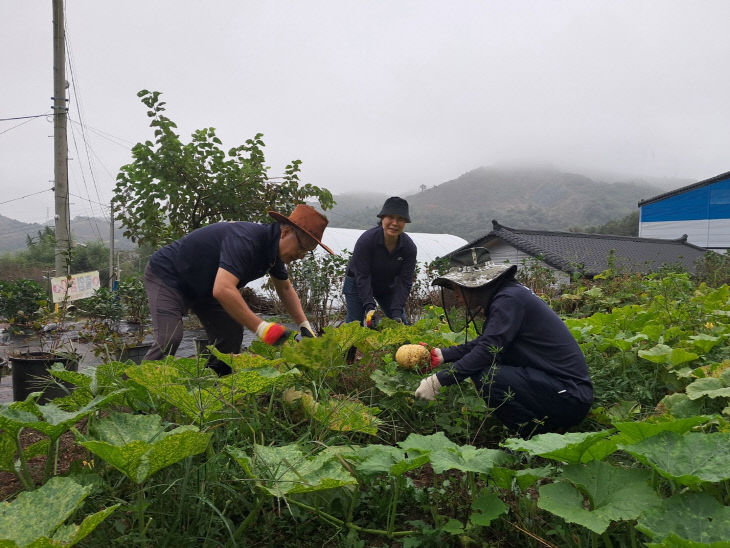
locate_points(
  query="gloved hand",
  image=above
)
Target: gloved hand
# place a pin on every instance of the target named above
(437, 358)
(428, 389)
(305, 329)
(273, 333)
(370, 320)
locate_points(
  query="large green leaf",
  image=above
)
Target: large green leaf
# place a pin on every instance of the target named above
(342, 415)
(674, 541)
(664, 354)
(710, 386)
(446, 455)
(401, 383)
(204, 398)
(257, 381)
(704, 342)
(138, 445)
(486, 509)
(18, 415)
(696, 517)
(689, 459)
(571, 448)
(634, 432)
(614, 494)
(379, 459)
(245, 361)
(35, 517)
(288, 470)
(326, 352)
(524, 478)
(48, 419)
(680, 406)
(56, 421)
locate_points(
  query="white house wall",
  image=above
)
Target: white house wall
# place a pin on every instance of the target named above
(502, 252)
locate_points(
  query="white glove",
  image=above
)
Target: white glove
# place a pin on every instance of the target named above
(428, 389)
(309, 331)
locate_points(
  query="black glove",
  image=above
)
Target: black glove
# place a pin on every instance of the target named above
(306, 332)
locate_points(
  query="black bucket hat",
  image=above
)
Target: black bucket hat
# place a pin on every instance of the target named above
(395, 206)
(472, 268)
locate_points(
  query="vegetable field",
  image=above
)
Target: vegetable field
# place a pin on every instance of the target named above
(299, 448)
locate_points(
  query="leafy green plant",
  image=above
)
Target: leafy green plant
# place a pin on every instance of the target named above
(36, 518)
(47, 419)
(318, 280)
(21, 301)
(139, 446)
(171, 187)
(613, 494)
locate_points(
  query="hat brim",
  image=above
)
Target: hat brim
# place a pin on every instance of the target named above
(472, 279)
(284, 219)
(381, 215)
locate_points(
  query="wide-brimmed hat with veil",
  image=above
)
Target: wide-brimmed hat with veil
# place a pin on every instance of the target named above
(473, 268)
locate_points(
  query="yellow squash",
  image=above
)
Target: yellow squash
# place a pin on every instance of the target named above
(412, 356)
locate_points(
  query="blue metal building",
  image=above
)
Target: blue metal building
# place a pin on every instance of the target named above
(700, 210)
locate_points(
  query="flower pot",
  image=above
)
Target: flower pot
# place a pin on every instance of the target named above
(30, 374)
(201, 344)
(134, 352)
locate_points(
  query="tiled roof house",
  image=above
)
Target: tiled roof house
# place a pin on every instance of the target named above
(586, 254)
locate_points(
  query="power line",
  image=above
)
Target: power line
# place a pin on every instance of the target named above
(24, 117)
(119, 141)
(31, 118)
(26, 196)
(88, 200)
(83, 133)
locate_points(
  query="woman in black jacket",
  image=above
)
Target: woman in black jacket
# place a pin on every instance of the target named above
(380, 271)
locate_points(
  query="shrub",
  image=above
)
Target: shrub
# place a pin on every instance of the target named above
(21, 301)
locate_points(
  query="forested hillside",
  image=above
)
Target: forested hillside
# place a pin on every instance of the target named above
(522, 198)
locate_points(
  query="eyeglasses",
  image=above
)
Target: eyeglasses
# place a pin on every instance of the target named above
(302, 249)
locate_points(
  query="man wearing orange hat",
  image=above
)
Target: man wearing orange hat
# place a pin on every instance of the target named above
(205, 270)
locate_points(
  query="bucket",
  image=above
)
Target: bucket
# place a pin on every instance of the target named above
(29, 372)
(201, 344)
(134, 353)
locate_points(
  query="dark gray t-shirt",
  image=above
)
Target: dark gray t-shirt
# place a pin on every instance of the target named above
(246, 250)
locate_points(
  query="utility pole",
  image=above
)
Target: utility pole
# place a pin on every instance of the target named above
(111, 247)
(60, 145)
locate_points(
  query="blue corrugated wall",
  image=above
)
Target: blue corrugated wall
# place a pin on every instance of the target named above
(708, 202)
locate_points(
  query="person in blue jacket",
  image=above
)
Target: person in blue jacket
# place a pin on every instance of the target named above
(525, 362)
(380, 271)
(205, 270)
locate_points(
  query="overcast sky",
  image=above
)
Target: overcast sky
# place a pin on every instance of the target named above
(370, 95)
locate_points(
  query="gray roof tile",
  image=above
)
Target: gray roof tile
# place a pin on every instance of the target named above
(589, 253)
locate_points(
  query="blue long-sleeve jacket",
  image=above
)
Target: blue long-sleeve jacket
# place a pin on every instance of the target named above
(378, 272)
(521, 331)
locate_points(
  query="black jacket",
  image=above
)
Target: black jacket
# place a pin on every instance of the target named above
(521, 330)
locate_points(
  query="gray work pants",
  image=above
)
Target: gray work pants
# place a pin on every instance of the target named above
(167, 308)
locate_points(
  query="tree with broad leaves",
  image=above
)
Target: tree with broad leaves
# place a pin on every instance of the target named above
(171, 187)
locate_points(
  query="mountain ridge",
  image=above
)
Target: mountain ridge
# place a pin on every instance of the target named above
(543, 198)
(528, 198)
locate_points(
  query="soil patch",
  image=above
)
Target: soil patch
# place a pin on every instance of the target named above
(68, 452)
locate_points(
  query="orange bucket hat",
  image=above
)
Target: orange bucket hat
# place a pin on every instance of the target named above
(308, 220)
